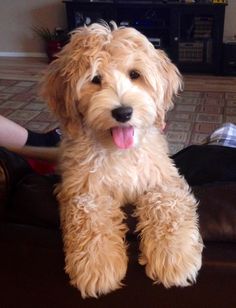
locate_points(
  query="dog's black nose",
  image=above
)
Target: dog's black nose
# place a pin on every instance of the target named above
(122, 114)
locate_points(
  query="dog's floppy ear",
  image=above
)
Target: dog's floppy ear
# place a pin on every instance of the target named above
(171, 81)
(58, 90)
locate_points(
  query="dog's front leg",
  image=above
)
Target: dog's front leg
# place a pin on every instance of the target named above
(95, 249)
(170, 245)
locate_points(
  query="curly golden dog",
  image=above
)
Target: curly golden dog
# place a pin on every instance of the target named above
(110, 89)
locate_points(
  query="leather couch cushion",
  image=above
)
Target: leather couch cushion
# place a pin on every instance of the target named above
(201, 164)
(217, 211)
(32, 202)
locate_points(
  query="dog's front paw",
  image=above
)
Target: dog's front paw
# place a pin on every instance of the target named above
(98, 272)
(173, 265)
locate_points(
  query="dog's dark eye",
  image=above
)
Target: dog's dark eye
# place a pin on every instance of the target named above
(134, 75)
(97, 79)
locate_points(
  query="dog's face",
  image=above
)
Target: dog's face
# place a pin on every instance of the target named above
(114, 83)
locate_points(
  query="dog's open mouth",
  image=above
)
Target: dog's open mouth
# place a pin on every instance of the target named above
(123, 136)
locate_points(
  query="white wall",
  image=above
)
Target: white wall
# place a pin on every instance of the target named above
(17, 18)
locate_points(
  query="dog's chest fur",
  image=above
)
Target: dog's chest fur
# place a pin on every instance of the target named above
(121, 173)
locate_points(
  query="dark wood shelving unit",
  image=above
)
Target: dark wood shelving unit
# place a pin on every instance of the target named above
(191, 34)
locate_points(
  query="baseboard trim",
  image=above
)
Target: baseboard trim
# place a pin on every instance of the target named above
(23, 54)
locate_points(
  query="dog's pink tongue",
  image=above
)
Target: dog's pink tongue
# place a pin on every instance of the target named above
(123, 137)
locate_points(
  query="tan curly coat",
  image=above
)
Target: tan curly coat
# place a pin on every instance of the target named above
(106, 163)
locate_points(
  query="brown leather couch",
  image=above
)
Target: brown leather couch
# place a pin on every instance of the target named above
(31, 252)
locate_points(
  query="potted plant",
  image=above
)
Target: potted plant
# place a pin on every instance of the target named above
(54, 40)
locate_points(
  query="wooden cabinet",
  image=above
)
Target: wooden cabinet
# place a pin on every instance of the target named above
(191, 34)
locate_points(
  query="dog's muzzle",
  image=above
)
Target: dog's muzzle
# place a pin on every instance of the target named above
(122, 114)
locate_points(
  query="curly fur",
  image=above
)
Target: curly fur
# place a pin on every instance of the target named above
(98, 177)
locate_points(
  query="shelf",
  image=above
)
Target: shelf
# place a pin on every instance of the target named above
(174, 24)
